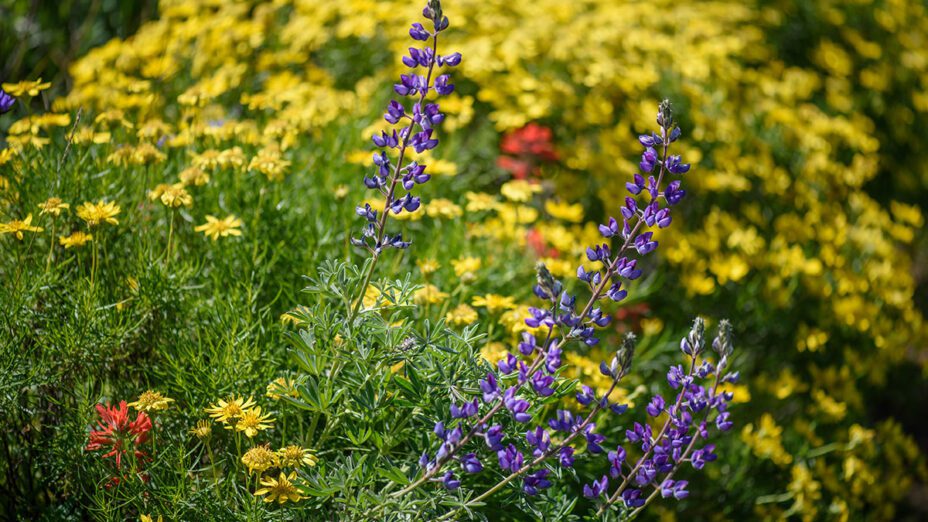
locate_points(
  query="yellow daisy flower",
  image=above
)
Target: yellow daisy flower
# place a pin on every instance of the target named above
(151, 401)
(480, 201)
(17, 227)
(176, 196)
(565, 211)
(26, 87)
(519, 190)
(96, 213)
(461, 315)
(53, 206)
(280, 387)
(280, 489)
(429, 294)
(466, 265)
(252, 421)
(193, 176)
(77, 239)
(259, 459)
(494, 303)
(427, 266)
(202, 430)
(214, 228)
(231, 409)
(294, 456)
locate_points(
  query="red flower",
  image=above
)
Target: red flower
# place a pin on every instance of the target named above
(115, 433)
(526, 147)
(536, 242)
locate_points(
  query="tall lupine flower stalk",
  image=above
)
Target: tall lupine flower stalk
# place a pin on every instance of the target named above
(413, 127)
(563, 324)
(687, 424)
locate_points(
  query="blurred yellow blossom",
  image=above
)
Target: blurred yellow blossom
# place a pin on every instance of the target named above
(214, 228)
(76, 239)
(17, 227)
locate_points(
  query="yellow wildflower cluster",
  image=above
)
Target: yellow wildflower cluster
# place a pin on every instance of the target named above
(242, 416)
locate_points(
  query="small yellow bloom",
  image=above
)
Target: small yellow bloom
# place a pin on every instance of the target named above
(77, 239)
(206, 160)
(270, 163)
(429, 294)
(232, 158)
(427, 266)
(26, 87)
(193, 176)
(466, 265)
(259, 459)
(295, 456)
(155, 193)
(147, 518)
(519, 190)
(765, 440)
(341, 191)
(461, 315)
(231, 409)
(252, 421)
(480, 201)
(373, 297)
(214, 228)
(17, 227)
(202, 430)
(53, 206)
(443, 209)
(280, 489)
(493, 352)
(96, 213)
(151, 401)
(494, 303)
(175, 196)
(565, 211)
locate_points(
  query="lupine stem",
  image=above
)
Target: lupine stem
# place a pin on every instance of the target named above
(388, 201)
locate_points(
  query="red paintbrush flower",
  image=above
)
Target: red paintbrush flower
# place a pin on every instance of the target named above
(115, 433)
(526, 147)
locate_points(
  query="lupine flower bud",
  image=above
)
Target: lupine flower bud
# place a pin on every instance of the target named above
(625, 353)
(722, 344)
(694, 343)
(665, 114)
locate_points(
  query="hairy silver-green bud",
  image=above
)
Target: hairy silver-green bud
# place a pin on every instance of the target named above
(722, 344)
(695, 342)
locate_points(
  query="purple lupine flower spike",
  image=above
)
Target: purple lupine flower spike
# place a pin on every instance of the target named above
(416, 128)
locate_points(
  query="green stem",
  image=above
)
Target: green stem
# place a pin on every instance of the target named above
(93, 262)
(212, 465)
(51, 247)
(167, 255)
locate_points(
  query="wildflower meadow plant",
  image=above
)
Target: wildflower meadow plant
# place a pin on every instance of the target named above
(534, 374)
(414, 127)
